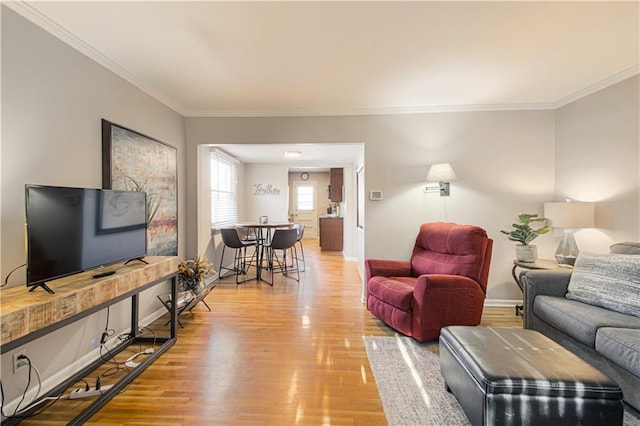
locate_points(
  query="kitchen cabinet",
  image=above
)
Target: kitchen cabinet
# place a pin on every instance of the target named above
(336, 180)
(331, 234)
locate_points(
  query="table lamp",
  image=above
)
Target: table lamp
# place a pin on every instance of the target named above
(569, 215)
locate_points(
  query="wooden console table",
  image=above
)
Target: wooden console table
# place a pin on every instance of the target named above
(25, 316)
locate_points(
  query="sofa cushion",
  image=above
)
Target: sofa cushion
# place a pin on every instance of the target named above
(395, 291)
(621, 346)
(580, 320)
(611, 281)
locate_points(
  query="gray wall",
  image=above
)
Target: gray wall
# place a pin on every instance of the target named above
(597, 159)
(53, 99)
(486, 150)
(507, 163)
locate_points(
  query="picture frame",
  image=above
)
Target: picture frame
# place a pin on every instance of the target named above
(133, 161)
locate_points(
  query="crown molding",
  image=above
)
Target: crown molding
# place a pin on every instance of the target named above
(537, 106)
(32, 14)
(602, 84)
(370, 111)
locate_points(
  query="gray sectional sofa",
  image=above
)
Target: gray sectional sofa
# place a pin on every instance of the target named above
(603, 328)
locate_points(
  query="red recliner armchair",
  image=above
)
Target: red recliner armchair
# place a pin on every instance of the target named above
(444, 284)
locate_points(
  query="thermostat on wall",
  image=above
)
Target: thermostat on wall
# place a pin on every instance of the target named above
(375, 195)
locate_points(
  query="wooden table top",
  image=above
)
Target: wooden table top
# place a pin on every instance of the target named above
(545, 264)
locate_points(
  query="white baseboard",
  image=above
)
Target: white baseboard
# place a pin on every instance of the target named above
(211, 278)
(502, 302)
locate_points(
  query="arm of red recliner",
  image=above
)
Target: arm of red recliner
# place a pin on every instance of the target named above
(442, 300)
(387, 268)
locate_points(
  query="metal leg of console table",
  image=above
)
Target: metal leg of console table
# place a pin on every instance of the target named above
(167, 342)
(102, 400)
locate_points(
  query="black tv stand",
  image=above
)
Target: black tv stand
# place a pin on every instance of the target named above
(141, 259)
(103, 274)
(43, 285)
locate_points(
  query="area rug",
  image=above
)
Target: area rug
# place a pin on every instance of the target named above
(411, 387)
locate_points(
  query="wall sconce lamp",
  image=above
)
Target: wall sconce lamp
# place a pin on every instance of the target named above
(442, 174)
(568, 215)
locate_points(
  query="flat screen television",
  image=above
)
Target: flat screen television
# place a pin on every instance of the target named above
(71, 230)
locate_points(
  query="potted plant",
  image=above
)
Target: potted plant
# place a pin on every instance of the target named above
(191, 272)
(524, 234)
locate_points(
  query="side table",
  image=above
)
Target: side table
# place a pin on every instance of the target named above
(544, 264)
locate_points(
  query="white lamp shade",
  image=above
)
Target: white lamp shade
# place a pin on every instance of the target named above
(570, 214)
(441, 173)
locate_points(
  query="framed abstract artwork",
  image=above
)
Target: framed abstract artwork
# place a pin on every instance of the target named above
(135, 162)
(120, 211)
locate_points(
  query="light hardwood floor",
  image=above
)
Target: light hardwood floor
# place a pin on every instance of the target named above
(283, 355)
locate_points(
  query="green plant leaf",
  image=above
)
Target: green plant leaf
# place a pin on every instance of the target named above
(523, 232)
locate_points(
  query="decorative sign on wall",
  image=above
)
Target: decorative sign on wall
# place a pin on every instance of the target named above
(265, 189)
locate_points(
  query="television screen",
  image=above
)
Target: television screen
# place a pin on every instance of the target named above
(70, 230)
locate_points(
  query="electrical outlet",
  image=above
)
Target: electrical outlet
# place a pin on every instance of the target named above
(19, 363)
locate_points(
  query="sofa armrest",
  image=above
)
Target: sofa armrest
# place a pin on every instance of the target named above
(441, 300)
(541, 283)
(387, 268)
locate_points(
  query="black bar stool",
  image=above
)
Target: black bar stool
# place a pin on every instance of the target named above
(283, 240)
(299, 227)
(242, 261)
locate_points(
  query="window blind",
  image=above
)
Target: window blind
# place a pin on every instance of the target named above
(224, 189)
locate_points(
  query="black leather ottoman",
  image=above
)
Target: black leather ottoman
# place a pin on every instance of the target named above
(504, 376)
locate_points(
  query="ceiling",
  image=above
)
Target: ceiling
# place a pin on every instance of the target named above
(313, 157)
(353, 57)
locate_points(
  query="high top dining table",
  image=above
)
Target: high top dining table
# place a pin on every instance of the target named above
(263, 233)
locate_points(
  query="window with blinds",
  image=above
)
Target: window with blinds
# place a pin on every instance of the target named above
(224, 189)
(305, 197)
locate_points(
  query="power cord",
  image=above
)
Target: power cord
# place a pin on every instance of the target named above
(153, 333)
(130, 361)
(108, 332)
(35, 404)
(17, 412)
(111, 359)
(6, 280)
(24, 394)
